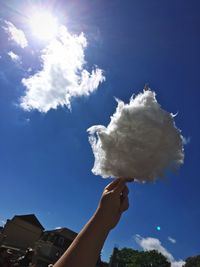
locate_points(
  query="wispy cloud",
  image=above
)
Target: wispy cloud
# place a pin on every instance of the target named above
(16, 35)
(63, 74)
(14, 57)
(150, 243)
(186, 140)
(172, 240)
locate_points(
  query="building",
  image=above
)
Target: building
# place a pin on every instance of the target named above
(52, 244)
(25, 231)
(21, 232)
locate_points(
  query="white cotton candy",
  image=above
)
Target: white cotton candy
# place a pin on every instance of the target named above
(141, 141)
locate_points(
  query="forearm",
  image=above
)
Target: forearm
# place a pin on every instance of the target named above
(85, 249)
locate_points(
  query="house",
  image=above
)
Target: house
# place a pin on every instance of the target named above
(25, 231)
(21, 232)
(52, 244)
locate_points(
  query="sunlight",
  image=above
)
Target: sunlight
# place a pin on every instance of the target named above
(44, 26)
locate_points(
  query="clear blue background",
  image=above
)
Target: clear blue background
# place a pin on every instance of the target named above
(46, 160)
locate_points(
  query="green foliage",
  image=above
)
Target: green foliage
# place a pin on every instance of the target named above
(193, 261)
(128, 257)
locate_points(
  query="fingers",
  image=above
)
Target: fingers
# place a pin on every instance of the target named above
(119, 187)
(124, 204)
(112, 185)
(125, 191)
(120, 190)
(124, 199)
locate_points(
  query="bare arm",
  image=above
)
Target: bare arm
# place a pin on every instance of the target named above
(86, 247)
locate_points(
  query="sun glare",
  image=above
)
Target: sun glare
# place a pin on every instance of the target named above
(44, 26)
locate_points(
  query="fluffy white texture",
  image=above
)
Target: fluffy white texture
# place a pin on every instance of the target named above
(16, 34)
(14, 57)
(151, 243)
(140, 142)
(62, 75)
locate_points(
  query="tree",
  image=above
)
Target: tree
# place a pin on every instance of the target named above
(193, 261)
(153, 259)
(123, 257)
(128, 257)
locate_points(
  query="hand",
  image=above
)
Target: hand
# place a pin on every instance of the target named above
(85, 249)
(113, 203)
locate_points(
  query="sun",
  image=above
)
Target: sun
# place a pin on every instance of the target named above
(44, 25)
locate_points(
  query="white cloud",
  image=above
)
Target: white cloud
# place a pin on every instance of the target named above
(172, 240)
(177, 263)
(14, 57)
(15, 34)
(186, 140)
(62, 76)
(150, 243)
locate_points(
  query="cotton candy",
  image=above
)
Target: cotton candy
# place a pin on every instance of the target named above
(141, 141)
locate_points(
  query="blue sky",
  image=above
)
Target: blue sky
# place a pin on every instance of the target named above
(45, 157)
